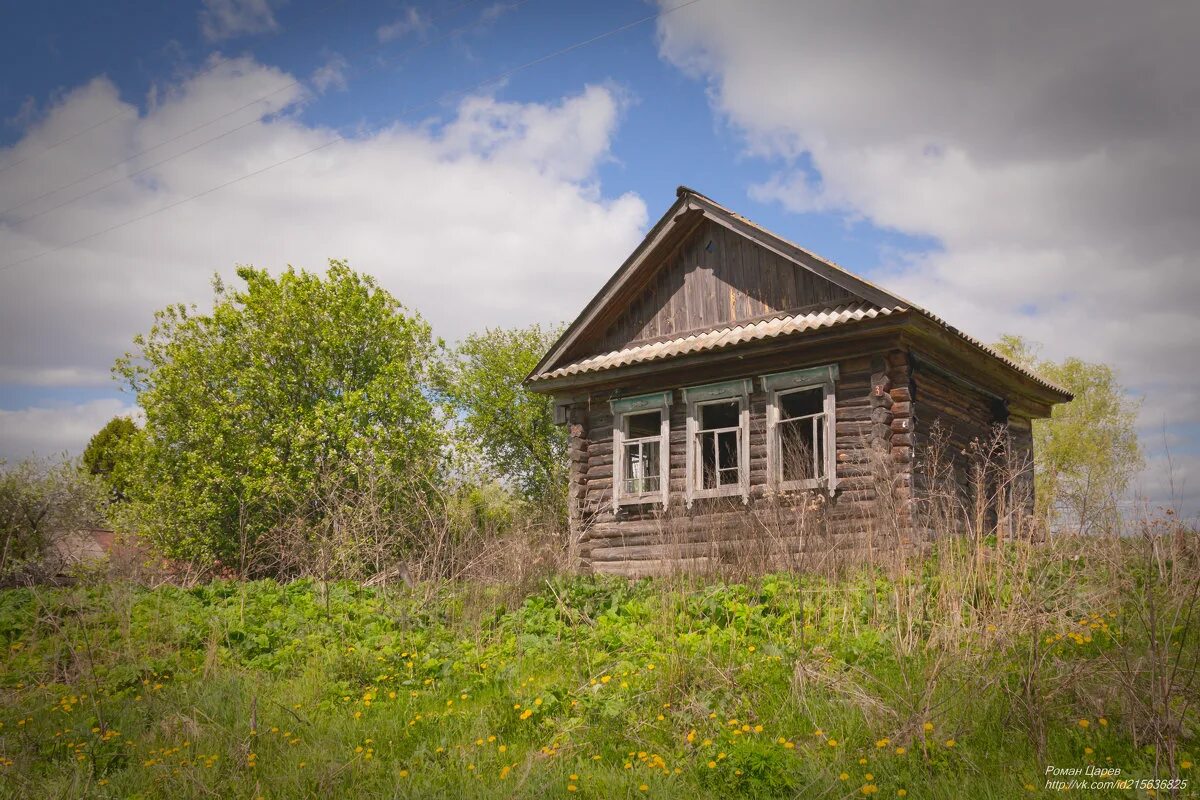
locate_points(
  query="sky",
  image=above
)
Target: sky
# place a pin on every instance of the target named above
(1014, 167)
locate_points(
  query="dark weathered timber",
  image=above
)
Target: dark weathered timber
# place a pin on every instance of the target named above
(712, 279)
(907, 385)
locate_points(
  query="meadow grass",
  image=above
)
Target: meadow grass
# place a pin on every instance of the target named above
(955, 676)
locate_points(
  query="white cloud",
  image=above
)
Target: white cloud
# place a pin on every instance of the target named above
(411, 21)
(1051, 150)
(49, 431)
(330, 75)
(494, 218)
(226, 19)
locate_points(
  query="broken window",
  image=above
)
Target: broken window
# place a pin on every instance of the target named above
(719, 435)
(641, 453)
(801, 433)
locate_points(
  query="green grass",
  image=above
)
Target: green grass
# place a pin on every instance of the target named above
(789, 686)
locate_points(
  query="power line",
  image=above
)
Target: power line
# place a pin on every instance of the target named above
(298, 82)
(128, 112)
(339, 137)
(198, 145)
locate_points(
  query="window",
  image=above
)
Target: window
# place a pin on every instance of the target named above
(800, 427)
(718, 446)
(720, 434)
(641, 436)
(641, 453)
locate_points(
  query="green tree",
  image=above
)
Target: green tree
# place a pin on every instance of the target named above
(513, 429)
(288, 387)
(104, 452)
(41, 501)
(1087, 452)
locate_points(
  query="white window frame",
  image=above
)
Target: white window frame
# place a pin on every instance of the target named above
(696, 397)
(782, 384)
(621, 409)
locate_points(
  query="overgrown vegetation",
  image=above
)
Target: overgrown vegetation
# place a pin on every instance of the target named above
(417, 629)
(951, 677)
(1087, 452)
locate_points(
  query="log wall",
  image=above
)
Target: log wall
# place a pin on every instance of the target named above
(869, 510)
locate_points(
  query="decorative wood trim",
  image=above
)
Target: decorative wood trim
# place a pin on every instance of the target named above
(824, 378)
(621, 407)
(641, 402)
(695, 396)
(797, 378)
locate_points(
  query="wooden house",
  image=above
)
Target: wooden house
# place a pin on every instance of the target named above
(723, 376)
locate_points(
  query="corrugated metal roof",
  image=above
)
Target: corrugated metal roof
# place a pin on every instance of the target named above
(717, 339)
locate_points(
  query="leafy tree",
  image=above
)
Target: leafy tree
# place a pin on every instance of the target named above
(104, 452)
(41, 500)
(1087, 452)
(511, 427)
(289, 386)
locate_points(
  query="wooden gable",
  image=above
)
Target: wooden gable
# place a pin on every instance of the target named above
(711, 278)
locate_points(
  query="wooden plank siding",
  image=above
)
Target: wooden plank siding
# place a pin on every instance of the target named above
(873, 446)
(710, 279)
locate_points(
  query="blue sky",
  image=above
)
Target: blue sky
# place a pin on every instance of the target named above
(973, 165)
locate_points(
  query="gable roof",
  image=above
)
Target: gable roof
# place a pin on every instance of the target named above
(876, 301)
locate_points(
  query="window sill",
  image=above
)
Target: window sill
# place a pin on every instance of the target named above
(724, 491)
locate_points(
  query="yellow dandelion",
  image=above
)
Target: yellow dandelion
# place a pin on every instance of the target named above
(950, 743)
(845, 776)
(928, 727)
(1083, 723)
(900, 751)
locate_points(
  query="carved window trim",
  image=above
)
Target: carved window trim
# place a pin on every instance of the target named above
(622, 408)
(781, 384)
(697, 397)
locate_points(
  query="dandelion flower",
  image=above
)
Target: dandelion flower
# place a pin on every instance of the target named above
(845, 776)
(928, 727)
(950, 743)
(900, 751)
(1083, 723)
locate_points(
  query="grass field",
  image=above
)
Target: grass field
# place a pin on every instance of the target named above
(962, 676)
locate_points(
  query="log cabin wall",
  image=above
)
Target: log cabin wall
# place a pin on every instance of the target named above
(873, 441)
(958, 453)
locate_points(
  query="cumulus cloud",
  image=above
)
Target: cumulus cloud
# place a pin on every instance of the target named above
(226, 19)
(1051, 151)
(494, 217)
(49, 431)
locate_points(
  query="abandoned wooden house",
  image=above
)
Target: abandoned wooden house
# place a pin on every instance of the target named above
(726, 386)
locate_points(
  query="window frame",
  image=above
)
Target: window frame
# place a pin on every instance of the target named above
(697, 397)
(780, 385)
(622, 408)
